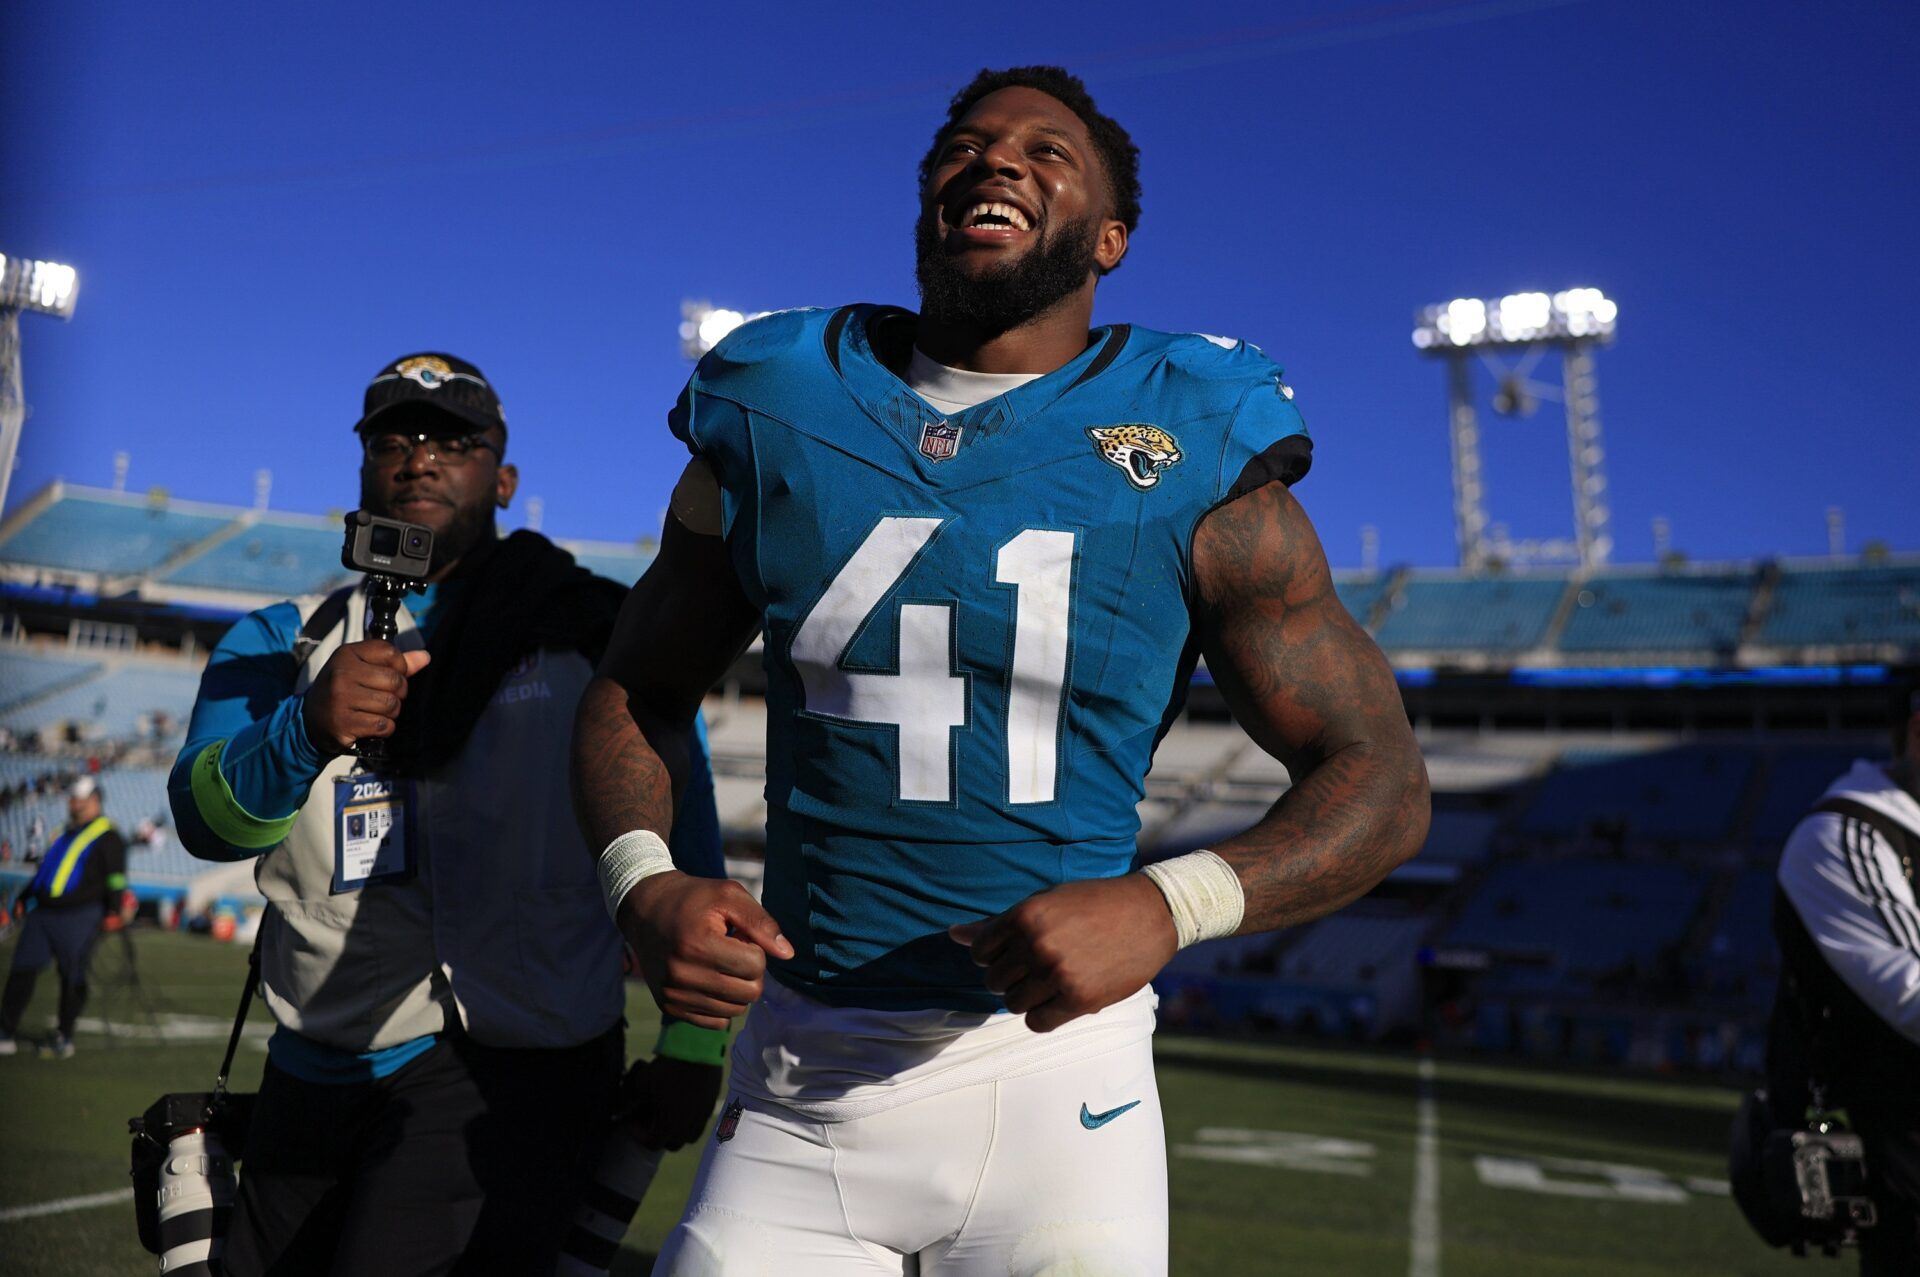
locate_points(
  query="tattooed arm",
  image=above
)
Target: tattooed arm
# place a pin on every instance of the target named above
(1312, 689)
(683, 624)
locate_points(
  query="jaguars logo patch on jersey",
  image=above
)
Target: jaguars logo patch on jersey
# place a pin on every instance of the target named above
(1140, 452)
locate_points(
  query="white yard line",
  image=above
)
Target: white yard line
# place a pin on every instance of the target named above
(1423, 1223)
(65, 1204)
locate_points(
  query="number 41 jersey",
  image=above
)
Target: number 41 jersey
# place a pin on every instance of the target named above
(977, 625)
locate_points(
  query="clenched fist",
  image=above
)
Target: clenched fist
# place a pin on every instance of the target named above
(702, 944)
(1073, 949)
(358, 694)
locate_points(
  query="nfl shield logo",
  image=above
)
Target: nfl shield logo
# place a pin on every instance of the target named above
(729, 1123)
(939, 440)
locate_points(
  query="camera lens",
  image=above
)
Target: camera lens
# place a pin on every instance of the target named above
(416, 543)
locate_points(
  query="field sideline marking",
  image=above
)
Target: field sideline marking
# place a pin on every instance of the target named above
(1423, 1258)
(65, 1204)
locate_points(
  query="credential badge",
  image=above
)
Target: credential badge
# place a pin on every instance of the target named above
(939, 440)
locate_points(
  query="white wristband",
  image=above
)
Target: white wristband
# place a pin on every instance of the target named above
(1203, 894)
(627, 859)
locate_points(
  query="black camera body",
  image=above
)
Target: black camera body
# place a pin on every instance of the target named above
(183, 1177)
(1802, 1187)
(387, 547)
(1824, 1173)
(396, 557)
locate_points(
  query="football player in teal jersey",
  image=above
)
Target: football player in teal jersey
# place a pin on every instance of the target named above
(986, 545)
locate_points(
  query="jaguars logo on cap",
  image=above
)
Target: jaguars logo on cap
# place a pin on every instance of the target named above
(1140, 452)
(429, 371)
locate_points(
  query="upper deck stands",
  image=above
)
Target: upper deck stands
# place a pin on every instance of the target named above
(1845, 606)
(110, 534)
(1617, 613)
(286, 559)
(1471, 614)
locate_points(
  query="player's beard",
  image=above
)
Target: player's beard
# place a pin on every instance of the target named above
(1004, 297)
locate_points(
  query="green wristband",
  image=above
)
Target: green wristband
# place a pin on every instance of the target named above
(690, 1042)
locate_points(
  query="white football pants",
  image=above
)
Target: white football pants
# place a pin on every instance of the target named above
(1052, 1173)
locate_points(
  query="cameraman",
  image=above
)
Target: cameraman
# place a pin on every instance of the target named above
(1849, 1012)
(448, 997)
(81, 880)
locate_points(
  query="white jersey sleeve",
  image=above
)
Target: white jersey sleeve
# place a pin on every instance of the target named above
(1855, 900)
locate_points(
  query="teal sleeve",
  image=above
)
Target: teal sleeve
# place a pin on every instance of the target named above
(1267, 440)
(247, 764)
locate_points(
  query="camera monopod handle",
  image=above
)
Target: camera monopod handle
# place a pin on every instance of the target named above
(240, 1016)
(383, 602)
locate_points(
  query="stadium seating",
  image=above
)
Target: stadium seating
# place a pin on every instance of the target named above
(1741, 945)
(1353, 948)
(1794, 782)
(1471, 614)
(1691, 793)
(106, 534)
(15, 768)
(287, 559)
(1198, 751)
(25, 675)
(1669, 613)
(1361, 594)
(1841, 606)
(113, 703)
(1459, 837)
(1589, 916)
(18, 822)
(617, 563)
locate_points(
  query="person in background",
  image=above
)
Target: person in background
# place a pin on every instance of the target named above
(82, 879)
(1848, 1012)
(444, 974)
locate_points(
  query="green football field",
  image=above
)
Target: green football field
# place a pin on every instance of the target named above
(1284, 1159)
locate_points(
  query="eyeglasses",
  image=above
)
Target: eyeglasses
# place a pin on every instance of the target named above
(386, 450)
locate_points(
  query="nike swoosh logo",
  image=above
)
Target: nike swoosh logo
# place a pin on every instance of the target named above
(1094, 1121)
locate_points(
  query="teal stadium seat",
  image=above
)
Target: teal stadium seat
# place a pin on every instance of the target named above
(1471, 614)
(88, 534)
(1618, 613)
(1841, 606)
(270, 559)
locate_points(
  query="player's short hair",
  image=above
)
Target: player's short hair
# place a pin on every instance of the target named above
(1119, 157)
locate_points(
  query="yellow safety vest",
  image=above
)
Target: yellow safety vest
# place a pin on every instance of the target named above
(74, 852)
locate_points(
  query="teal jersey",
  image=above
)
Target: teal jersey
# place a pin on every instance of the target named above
(977, 626)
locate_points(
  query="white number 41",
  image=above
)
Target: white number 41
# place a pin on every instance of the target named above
(924, 698)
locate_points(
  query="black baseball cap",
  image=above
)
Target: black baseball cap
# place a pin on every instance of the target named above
(433, 380)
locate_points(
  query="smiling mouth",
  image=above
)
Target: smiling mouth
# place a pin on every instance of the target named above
(991, 215)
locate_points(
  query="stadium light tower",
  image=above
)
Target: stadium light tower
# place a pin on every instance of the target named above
(1572, 323)
(702, 325)
(46, 288)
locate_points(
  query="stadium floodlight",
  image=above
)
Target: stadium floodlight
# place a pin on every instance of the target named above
(44, 288)
(1518, 319)
(702, 325)
(1570, 322)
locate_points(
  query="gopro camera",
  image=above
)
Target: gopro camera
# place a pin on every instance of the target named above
(396, 557)
(387, 547)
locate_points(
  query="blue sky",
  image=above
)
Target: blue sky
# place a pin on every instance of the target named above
(267, 203)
